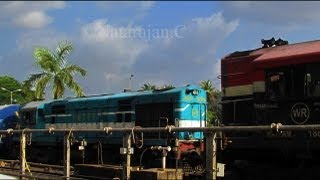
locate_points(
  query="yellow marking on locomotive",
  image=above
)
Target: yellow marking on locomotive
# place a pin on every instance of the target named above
(195, 112)
(201, 99)
(188, 98)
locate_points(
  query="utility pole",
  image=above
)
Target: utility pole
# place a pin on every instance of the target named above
(131, 76)
(11, 92)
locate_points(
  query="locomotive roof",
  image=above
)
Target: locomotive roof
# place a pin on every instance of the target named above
(277, 56)
(129, 94)
(32, 105)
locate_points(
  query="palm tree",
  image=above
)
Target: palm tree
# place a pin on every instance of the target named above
(213, 97)
(207, 86)
(148, 86)
(55, 71)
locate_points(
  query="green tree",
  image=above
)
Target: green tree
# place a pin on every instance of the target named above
(148, 86)
(29, 93)
(21, 94)
(213, 97)
(55, 70)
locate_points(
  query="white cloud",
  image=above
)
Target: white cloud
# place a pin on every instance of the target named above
(179, 60)
(110, 60)
(34, 19)
(105, 37)
(29, 14)
(190, 59)
(44, 37)
(14, 7)
(109, 56)
(187, 59)
(19, 62)
(136, 10)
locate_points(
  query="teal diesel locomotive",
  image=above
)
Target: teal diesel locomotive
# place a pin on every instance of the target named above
(180, 107)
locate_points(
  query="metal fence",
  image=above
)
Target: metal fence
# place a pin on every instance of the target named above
(211, 163)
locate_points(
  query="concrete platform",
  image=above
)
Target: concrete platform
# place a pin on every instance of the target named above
(156, 173)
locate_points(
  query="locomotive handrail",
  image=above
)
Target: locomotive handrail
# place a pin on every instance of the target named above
(273, 126)
(236, 100)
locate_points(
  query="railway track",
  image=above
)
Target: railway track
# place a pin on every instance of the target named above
(33, 170)
(47, 171)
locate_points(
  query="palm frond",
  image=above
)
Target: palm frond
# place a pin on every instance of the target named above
(42, 83)
(207, 86)
(74, 86)
(46, 60)
(63, 50)
(72, 69)
(32, 79)
(58, 88)
(148, 86)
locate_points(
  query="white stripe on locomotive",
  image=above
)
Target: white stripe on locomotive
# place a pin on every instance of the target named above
(191, 123)
(181, 109)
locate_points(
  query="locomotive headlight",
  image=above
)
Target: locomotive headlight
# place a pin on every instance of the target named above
(192, 91)
(195, 92)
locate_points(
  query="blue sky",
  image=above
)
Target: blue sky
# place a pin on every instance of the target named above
(196, 36)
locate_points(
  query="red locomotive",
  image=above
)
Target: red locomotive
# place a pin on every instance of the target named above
(277, 83)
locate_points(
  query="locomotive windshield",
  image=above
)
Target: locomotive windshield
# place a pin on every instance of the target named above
(294, 81)
(28, 117)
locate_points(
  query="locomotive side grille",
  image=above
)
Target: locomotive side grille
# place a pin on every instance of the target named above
(154, 115)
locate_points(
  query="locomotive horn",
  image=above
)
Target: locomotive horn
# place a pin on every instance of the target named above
(268, 43)
(281, 42)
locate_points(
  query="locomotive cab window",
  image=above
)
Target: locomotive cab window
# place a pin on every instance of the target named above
(28, 117)
(312, 80)
(292, 81)
(276, 85)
